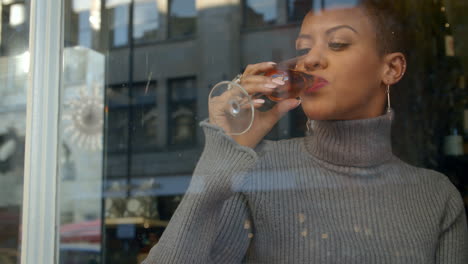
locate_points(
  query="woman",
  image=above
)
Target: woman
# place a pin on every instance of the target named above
(336, 196)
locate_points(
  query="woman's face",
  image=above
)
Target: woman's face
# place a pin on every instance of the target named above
(339, 45)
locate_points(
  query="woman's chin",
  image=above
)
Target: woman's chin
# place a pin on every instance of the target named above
(315, 111)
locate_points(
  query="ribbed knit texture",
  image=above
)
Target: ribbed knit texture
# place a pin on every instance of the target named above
(337, 196)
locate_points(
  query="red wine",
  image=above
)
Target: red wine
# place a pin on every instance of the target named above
(295, 82)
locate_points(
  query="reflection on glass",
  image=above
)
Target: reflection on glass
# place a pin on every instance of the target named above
(118, 17)
(81, 152)
(117, 118)
(14, 27)
(146, 116)
(151, 145)
(259, 13)
(182, 18)
(84, 29)
(14, 68)
(182, 112)
(145, 20)
(297, 9)
(17, 14)
(84, 22)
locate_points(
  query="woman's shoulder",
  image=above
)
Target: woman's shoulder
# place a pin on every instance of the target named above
(430, 179)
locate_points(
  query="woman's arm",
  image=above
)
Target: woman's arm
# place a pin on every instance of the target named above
(210, 203)
(234, 231)
(453, 242)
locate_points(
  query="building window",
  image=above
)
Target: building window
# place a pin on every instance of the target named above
(182, 112)
(138, 111)
(260, 13)
(117, 102)
(297, 9)
(182, 18)
(118, 15)
(84, 23)
(145, 117)
(85, 33)
(145, 21)
(14, 30)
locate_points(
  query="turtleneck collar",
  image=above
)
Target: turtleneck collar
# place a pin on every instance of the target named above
(356, 143)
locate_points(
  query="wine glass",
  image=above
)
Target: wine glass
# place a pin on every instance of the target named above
(232, 108)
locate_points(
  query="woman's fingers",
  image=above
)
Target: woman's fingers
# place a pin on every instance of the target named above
(255, 69)
(257, 103)
(260, 84)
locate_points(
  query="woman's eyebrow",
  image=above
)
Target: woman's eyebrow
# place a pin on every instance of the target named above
(333, 29)
(328, 32)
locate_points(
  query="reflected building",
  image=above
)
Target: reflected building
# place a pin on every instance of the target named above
(161, 59)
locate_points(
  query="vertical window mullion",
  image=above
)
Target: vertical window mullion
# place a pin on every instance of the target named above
(39, 220)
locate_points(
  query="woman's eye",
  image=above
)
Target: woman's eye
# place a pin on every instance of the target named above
(302, 52)
(338, 45)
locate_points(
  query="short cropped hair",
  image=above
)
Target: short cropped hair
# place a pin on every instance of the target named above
(388, 18)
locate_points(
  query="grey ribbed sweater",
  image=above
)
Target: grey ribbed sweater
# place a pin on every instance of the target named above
(336, 196)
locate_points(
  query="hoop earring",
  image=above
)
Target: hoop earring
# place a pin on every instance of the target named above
(389, 108)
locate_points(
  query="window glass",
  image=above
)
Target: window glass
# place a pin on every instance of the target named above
(14, 16)
(118, 24)
(182, 113)
(84, 23)
(117, 111)
(14, 69)
(83, 115)
(145, 115)
(297, 9)
(85, 33)
(259, 13)
(145, 21)
(182, 18)
(162, 160)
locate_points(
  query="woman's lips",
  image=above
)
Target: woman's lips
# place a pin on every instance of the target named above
(318, 83)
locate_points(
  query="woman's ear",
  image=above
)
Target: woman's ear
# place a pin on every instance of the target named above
(394, 68)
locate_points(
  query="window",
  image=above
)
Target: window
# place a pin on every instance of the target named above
(117, 118)
(14, 27)
(139, 100)
(142, 114)
(14, 72)
(260, 13)
(84, 23)
(85, 32)
(118, 16)
(182, 112)
(297, 9)
(145, 117)
(145, 21)
(182, 18)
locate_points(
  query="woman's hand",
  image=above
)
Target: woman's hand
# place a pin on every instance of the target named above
(254, 83)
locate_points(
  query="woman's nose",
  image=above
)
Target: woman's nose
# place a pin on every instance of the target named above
(315, 60)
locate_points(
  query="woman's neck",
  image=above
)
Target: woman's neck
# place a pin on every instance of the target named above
(357, 143)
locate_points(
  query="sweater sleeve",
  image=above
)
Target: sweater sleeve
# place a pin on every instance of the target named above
(208, 204)
(234, 231)
(453, 241)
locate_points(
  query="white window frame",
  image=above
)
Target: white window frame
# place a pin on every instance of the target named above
(39, 213)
